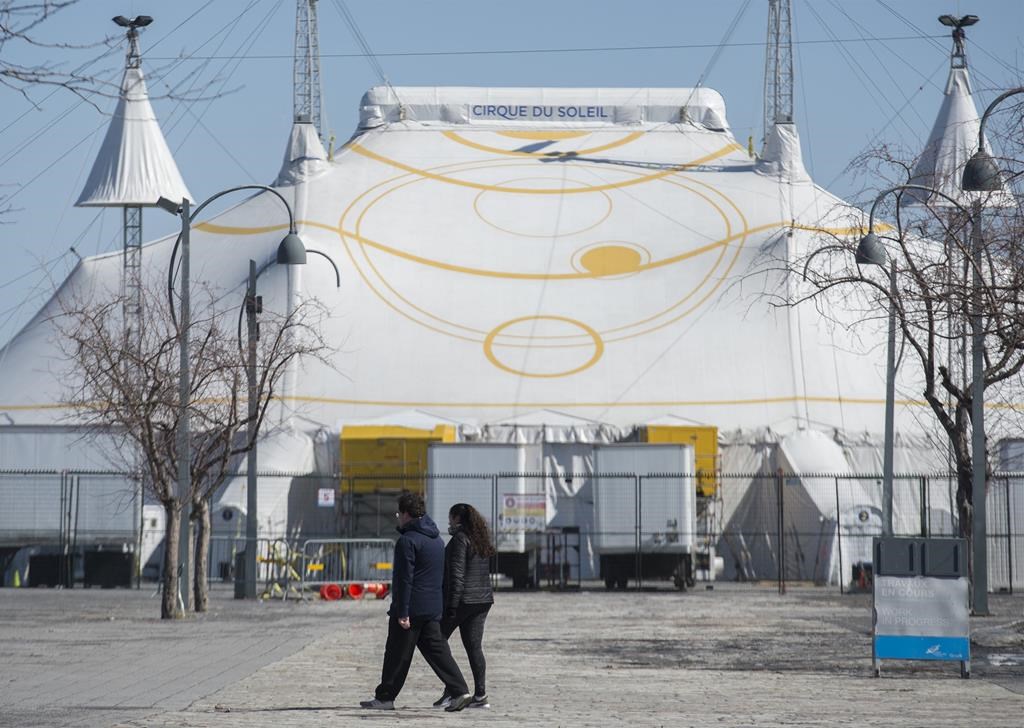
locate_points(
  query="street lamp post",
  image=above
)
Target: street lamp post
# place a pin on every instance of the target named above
(184, 436)
(871, 251)
(980, 175)
(290, 252)
(253, 306)
(187, 215)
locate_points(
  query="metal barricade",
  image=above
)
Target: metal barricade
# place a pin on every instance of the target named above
(346, 562)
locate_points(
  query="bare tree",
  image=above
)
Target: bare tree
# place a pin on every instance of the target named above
(131, 387)
(929, 246)
(20, 24)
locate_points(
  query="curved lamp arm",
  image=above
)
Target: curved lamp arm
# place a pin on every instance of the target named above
(195, 213)
(337, 275)
(930, 190)
(262, 270)
(984, 117)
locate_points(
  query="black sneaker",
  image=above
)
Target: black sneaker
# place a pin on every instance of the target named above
(377, 704)
(479, 701)
(459, 703)
(444, 701)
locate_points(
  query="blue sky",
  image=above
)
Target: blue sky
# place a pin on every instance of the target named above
(883, 83)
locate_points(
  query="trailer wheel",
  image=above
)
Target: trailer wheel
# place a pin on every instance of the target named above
(682, 577)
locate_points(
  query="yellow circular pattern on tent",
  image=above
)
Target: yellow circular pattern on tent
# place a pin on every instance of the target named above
(532, 215)
(370, 258)
(568, 359)
(609, 259)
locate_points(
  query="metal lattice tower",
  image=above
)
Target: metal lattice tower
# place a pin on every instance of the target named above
(131, 279)
(306, 74)
(778, 66)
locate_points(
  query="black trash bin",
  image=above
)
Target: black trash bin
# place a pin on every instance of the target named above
(240, 575)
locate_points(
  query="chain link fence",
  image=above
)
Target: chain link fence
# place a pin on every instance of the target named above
(558, 530)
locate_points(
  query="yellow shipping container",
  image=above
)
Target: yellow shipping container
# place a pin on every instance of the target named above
(703, 439)
(390, 458)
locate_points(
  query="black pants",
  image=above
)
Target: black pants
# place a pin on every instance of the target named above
(424, 633)
(470, 618)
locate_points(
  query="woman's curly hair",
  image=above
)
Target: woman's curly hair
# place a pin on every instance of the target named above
(475, 527)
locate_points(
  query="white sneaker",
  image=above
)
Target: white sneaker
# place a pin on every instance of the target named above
(377, 704)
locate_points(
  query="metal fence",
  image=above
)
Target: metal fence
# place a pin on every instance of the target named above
(549, 529)
(347, 561)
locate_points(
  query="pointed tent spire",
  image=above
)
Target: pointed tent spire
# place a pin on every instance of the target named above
(305, 157)
(954, 136)
(781, 153)
(134, 165)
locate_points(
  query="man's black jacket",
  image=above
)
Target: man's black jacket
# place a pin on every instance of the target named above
(418, 571)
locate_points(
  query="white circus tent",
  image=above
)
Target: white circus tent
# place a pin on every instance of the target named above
(596, 252)
(591, 251)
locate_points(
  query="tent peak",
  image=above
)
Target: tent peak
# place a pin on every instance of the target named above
(782, 155)
(304, 155)
(134, 166)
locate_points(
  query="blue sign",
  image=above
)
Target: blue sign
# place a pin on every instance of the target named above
(921, 618)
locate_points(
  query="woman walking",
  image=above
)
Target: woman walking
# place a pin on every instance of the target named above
(468, 595)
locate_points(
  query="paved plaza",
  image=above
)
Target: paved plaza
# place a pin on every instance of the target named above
(737, 655)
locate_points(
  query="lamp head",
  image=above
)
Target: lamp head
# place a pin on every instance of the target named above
(981, 174)
(871, 251)
(169, 205)
(140, 21)
(954, 22)
(291, 251)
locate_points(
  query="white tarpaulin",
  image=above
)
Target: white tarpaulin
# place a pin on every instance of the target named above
(953, 139)
(134, 165)
(831, 498)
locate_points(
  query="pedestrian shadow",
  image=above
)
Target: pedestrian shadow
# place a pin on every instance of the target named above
(354, 710)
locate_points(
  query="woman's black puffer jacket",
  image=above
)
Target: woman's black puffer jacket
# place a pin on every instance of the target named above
(467, 578)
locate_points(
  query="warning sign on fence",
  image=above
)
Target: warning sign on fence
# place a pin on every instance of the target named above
(523, 512)
(325, 498)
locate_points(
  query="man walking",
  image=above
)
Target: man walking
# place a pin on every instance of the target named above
(416, 605)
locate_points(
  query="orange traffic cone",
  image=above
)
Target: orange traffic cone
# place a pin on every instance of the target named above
(356, 591)
(330, 592)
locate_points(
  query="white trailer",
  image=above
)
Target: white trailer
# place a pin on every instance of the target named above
(645, 512)
(503, 482)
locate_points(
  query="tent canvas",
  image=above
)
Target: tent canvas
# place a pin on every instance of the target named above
(597, 256)
(492, 266)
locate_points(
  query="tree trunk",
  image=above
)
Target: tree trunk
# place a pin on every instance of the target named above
(965, 506)
(201, 513)
(169, 596)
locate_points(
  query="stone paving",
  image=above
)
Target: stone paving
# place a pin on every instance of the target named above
(738, 655)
